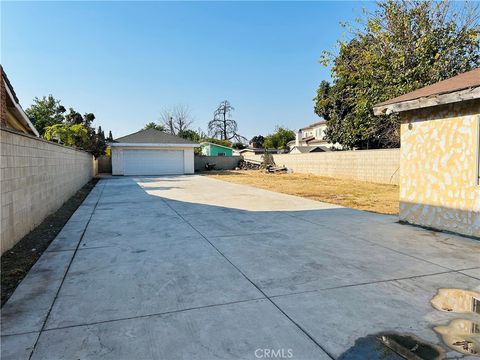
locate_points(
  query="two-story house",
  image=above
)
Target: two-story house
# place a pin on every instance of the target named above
(311, 139)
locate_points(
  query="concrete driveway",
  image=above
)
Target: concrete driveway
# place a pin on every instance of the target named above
(189, 267)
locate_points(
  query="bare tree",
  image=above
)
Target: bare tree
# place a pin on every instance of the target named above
(222, 126)
(176, 119)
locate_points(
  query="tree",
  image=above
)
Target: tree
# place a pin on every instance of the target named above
(110, 136)
(400, 47)
(176, 119)
(239, 146)
(222, 126)
(152, 125)
(190, 135)
(44, 112)
(68, 134)
(257, 141)
(279, 139)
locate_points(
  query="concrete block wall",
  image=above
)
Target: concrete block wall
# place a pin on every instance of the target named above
(36, 178)
(221, 162)
(378, 166)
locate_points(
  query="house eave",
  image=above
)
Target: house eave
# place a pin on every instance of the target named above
(24, 118)
(154, 145)
(424, 102)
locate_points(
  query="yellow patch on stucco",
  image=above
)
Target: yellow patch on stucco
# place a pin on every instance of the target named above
(438, 162)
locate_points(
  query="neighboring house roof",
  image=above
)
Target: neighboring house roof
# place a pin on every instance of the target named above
(317, 141)
(309, 149)
(462, 87)
(153, 136)
(305, 139)
(210, 143)
(259, 150)
(14, 107)
(318, 123)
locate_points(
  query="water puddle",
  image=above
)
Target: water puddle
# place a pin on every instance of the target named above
(457, 300)
(392, 347)
(461, 335)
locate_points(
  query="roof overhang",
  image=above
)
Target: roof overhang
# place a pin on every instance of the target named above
(21, 114)
(423, 102)
(118, 144)
(209, 143)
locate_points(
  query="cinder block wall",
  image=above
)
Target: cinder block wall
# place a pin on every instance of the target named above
(221, 162)
(36, 178)
(378, 166)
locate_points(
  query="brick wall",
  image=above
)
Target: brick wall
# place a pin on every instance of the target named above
(378, 166)
(36, 178)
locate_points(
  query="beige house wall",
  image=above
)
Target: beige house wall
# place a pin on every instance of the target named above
(378, 166)
(439, 167)
(36, 178)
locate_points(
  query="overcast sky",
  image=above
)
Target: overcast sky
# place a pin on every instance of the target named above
(126, 61)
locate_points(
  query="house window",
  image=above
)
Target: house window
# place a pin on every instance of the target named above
(221, 154)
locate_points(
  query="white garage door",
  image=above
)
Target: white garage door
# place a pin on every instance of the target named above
(152, 162)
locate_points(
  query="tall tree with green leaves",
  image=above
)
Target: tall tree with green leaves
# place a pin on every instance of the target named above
(400, 47)
(279, 139)
(44, 112)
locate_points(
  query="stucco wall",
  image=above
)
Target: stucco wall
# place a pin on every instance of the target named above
(36, 178)
(439, 156)
(379, 166)
(221, 162)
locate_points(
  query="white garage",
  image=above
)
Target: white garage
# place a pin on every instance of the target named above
(152, 152)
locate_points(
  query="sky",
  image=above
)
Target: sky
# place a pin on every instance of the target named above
(127, 61)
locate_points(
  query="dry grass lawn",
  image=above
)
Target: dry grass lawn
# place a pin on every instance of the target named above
(361, 195)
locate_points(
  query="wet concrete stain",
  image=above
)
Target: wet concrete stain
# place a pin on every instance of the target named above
(392, 346)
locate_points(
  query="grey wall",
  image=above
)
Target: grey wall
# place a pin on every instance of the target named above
(221, 162)
(36, 178)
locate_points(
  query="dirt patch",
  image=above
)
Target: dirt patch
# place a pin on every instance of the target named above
(380, 198)
(16, 262)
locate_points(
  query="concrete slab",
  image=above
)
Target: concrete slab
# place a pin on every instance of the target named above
(447, 250)
(115, 283)
(147, 283)
(193, 194)
(233, 331)
(28, 307)
(241, 222)
(313, 258)
(472, 272)
(67, 239)
(134, 230)
(17, 347)
(338, 317)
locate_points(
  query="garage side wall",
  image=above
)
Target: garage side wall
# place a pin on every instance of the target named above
(117, 160)
(188, 161)
(37, 177)
(438, 173)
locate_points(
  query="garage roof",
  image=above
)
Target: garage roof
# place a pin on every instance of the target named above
(152, 136)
